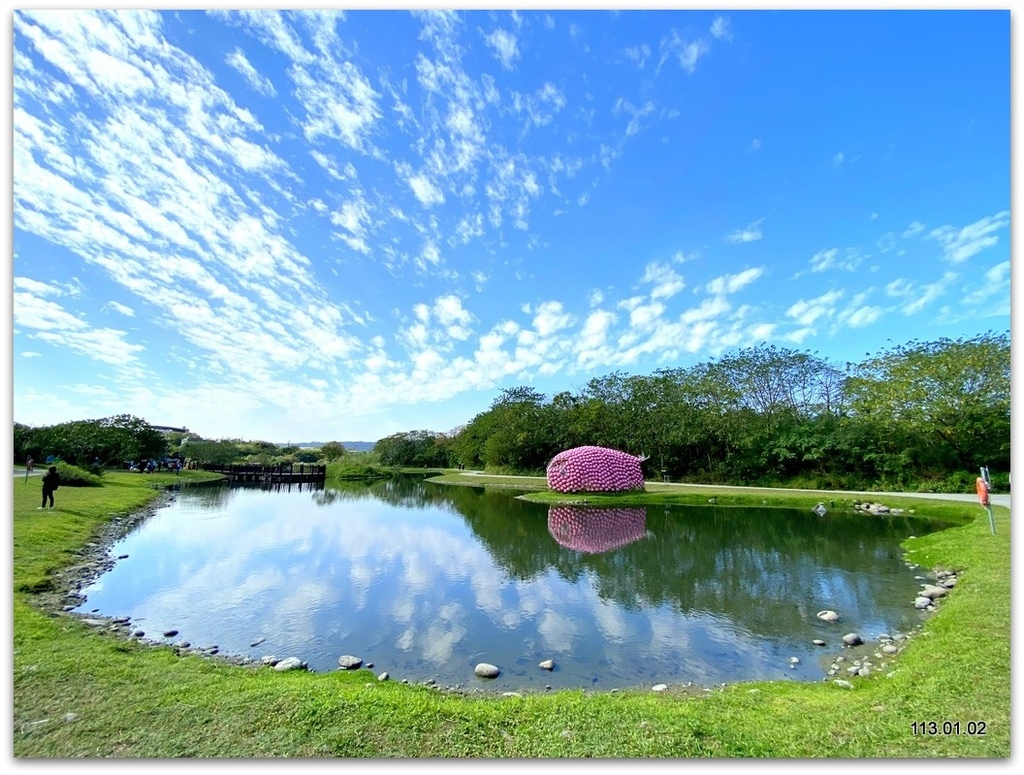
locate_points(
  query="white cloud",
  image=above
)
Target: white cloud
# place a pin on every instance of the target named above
(914, 298)
(271, 29)
(666, 281)
(751, 233)
(430, 255)
(47, 321)
(591, 344)
(994, 285)
(550, 318)
(469, 228)
(354, 217)
(425, 191)
(241, 235)
(730, 283)
(643, 316)
(255, 79)
(638, 54)
(824, 260)
(707, 310)
(887, 242)
(35, 287)
(450, 313)
(961, 244)
(720, 28)
(120, 309)
(799, 335)
(687, 53)
(505, 46)
(636, 115)
(338, 99)
(807, 311)
(859, 314)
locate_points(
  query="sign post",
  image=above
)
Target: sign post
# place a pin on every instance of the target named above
(984, 485)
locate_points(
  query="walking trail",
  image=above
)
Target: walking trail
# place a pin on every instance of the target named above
(994, 498)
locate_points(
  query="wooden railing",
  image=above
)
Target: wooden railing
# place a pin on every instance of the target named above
(282, 472)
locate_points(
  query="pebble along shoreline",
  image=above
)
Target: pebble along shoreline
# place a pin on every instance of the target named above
(856, 657)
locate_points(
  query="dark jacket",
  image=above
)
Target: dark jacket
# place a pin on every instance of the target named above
(51, 480)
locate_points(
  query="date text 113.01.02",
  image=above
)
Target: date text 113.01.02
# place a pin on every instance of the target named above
(948, 727)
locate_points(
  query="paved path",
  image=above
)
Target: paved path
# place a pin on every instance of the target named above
(996, 499)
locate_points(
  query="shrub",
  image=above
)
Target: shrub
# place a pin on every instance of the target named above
(345, 469)
(73, 476)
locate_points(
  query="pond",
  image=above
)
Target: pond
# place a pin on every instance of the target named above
(424, 581)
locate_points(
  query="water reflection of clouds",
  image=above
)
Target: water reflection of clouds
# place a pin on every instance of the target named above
(424, 559)
(558, 632)
(444, 634)
(420, 586)
(487, 588)
(611, 623)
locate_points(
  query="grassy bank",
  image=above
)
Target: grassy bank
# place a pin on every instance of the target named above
(655, 493)
(79, 692)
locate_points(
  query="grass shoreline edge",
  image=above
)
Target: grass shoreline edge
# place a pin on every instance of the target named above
(340, 715)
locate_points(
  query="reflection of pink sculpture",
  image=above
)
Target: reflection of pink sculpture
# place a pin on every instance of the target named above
(593, 530)
(594, 469)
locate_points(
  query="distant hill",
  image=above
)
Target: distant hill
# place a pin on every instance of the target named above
(354, 446)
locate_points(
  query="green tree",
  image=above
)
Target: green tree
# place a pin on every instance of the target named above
(419, 449)
(219, 452)
(332, 450)
(945, 404)
(111, 440)
(520, 439)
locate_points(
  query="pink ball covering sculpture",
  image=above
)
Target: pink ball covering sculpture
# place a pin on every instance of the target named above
(595, 530)
(594, 469)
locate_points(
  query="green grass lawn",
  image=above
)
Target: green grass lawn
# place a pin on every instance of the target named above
(82, 693)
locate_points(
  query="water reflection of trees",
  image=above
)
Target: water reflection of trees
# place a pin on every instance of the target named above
(207, 494)
(214, 494)
(770, 568)
(407, 491)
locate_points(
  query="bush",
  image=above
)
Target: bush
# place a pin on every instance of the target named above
(73, 476)
(1000, 481)
(354, 470)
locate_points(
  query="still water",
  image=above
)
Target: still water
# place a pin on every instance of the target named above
(424, 581)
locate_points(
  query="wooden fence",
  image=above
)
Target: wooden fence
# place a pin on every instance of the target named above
(275, 474)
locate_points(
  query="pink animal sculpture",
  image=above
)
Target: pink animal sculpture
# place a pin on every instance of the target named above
(594, 469)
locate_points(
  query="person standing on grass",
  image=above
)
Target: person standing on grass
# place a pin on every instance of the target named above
(51, 481)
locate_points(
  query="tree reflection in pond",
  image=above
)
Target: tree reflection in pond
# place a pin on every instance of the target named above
(425, 580)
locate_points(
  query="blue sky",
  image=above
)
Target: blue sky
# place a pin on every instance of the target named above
(314, 226)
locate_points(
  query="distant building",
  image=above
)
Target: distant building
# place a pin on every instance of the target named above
(168, 429)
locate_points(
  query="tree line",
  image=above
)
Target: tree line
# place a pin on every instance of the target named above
(923, 414)
(111, 442)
